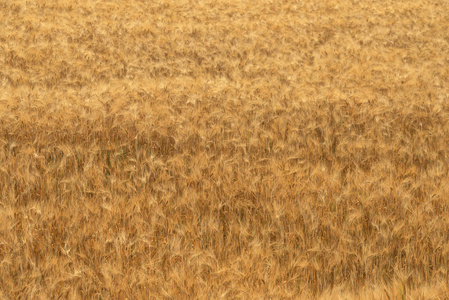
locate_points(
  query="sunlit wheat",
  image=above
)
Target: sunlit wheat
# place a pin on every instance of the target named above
(224, 149)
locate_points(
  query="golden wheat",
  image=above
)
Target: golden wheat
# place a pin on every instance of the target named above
(224, 149)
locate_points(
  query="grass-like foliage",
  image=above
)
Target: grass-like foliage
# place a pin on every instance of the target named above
(224, 149)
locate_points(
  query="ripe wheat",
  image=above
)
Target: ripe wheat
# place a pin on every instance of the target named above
(224, 149)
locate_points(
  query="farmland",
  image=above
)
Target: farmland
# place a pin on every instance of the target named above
(224, 149)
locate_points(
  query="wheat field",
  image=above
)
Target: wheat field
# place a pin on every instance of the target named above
(224, 149)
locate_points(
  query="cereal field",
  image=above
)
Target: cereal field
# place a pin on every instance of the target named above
(224, 149)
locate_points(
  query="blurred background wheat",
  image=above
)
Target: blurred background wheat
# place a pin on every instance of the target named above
(224, 149)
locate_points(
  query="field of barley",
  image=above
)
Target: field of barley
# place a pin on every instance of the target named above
(221, 149)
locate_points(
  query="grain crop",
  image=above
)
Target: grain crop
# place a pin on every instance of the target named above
(199, 149)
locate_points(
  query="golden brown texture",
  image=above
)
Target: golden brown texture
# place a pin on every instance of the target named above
(224, 149)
